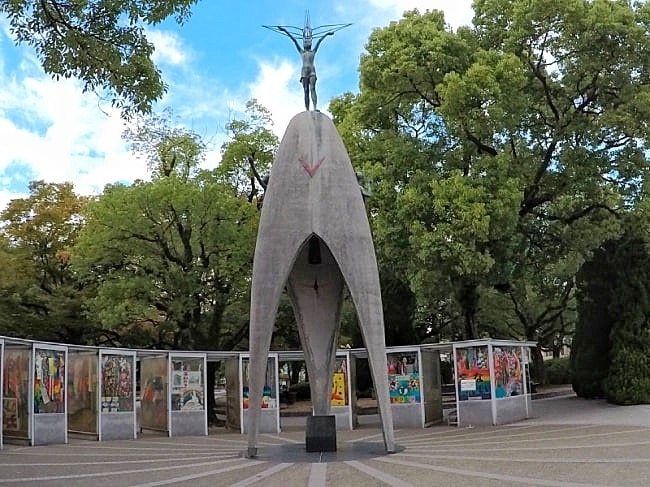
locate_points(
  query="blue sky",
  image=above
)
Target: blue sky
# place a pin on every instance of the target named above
(220, 58)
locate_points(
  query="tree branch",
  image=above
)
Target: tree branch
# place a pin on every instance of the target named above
(582, 213)
(480, 146)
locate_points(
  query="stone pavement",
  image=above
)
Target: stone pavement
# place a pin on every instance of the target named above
(569, 442)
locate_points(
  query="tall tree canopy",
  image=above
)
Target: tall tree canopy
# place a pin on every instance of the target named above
(248, 155)
(39, 293)
(502, 154)
(170, 255)
(100, 42)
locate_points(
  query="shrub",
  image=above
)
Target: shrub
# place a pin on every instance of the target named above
(302, 391)
(558, 371)
(626, 384)
(446, 372)
(590, 347)
(628, 378)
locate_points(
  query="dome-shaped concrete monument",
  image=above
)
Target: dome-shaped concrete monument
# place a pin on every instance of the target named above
(314, 239)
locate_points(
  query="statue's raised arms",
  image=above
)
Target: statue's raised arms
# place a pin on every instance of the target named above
(308, 35)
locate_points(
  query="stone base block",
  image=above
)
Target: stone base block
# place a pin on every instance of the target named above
(321, 433)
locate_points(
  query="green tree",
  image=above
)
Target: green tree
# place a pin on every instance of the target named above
(100, 42)
(502, 154)
(40, 293)
(609, 356)
(247, 157)
(590, 345)
(170, 255)
(628, 374)
(170, 258)
(399, 308)
(167, 146)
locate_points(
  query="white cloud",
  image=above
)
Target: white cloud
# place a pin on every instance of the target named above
(457, 13)
(53, 131)
(6, 196)
(169, 48)
(277, 88)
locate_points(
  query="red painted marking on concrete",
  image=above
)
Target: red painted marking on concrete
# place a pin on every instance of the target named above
(311, 170)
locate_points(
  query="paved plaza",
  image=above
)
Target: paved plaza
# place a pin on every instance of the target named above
(569, 442)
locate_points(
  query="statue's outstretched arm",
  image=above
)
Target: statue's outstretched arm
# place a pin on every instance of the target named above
(321, 40)
(295, 42)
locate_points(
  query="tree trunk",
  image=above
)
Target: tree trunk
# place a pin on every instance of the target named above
(537, 369)
(295, 372)
(211, 403)
(470, 332)
(467, 296)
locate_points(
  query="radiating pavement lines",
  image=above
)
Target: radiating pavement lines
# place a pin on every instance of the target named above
(438, 435)
(491, 476)
(112, 462)
(261, 475)
(103, 447)
(378, 474)
(100, 454)
(505, 431)
(365, 438)
(511, 441)
(426, 455)
(526, 459)
(317, 475)
(470, 448)
(460, 435)
(130, 472)
(247, 481)
(283, 439)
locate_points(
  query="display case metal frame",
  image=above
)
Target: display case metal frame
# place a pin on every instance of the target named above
(26, 348)
(495, 410)
(2, 370)
(408, 415)
(148, 388)
(188, 423)
(270, 417)
(344, 414)
(117, 425)
(48, 428)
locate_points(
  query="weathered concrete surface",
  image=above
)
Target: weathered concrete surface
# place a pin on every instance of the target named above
(313, 192)
(316, 294)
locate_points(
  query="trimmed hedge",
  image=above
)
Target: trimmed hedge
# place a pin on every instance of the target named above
(628, 380)
(446, 372)
(558, 371)
(590, 347)
(303, 393)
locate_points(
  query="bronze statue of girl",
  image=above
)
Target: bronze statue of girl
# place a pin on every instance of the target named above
(307, 34)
